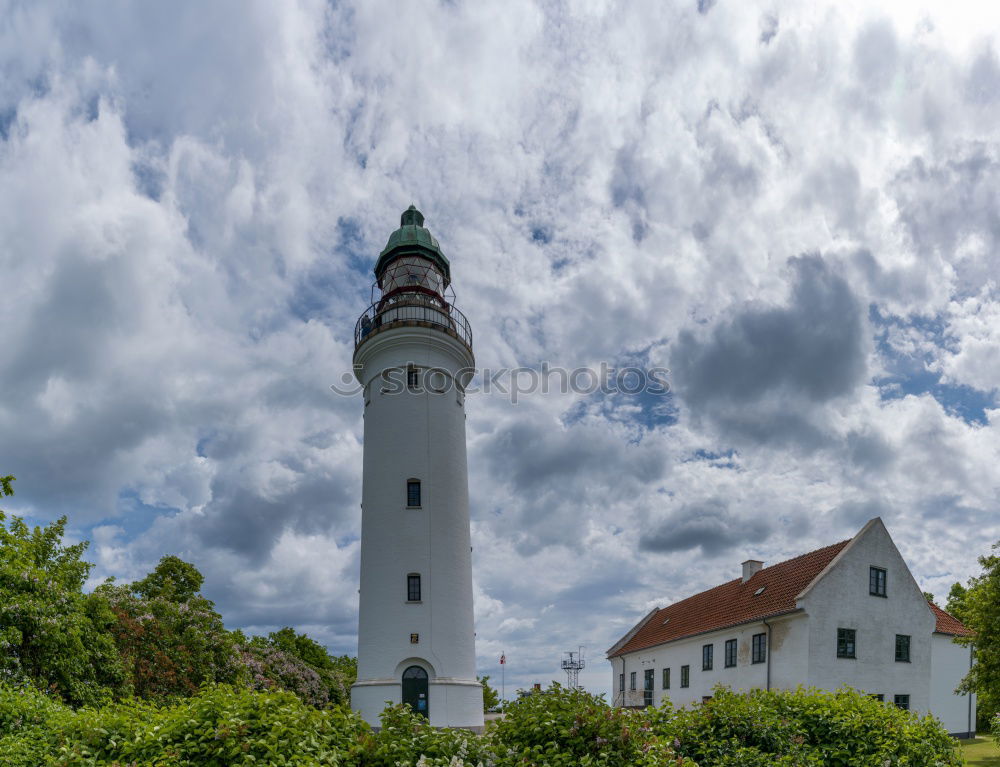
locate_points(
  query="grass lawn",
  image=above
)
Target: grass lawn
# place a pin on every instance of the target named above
(981, 752)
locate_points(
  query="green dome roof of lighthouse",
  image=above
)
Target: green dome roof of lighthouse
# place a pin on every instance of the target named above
(412, 239)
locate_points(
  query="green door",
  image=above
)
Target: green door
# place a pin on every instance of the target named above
(415, 690)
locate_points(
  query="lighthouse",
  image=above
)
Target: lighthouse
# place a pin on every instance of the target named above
(413, 358)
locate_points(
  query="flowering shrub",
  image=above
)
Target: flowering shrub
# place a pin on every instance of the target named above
(268, 668)
(294, 662)
(995, 726)
(170, 644)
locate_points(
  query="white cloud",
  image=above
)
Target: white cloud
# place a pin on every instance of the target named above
(191, 199)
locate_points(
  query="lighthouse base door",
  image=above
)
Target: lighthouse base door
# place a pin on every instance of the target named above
(415, 690)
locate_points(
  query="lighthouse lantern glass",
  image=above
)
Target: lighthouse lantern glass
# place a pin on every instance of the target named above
(412, 272)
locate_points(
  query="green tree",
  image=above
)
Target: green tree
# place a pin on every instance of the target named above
(491, 698)
(301, 646)
(51, 633)
(173, 579)
(956, 601)
(979, 609)
(170, 637)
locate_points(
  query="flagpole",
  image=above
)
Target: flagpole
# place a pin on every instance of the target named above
(503, 677)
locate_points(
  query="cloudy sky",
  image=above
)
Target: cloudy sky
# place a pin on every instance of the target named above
(794, 208)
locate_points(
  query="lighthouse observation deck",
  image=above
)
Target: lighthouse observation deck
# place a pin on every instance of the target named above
(413, 310)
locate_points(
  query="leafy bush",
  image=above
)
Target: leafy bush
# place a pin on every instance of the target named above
(807, 727)
(218, 727)
(561, 726)
(558, 728)
(28, 719)
(406, 739)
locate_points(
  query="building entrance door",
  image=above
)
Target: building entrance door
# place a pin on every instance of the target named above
(415, 690)
(647, 687)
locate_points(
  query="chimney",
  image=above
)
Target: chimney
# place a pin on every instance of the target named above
(538, 687)
(750, 568)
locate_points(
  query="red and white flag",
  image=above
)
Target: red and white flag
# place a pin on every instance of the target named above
(503, 659)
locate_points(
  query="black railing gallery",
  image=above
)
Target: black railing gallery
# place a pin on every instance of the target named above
(378, 317)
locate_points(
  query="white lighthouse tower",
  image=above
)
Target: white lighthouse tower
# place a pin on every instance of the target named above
(413, 356)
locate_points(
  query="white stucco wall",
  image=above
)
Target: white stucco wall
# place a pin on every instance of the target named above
(418, 435)
(840, 599)
(949, 663)
(789, 635)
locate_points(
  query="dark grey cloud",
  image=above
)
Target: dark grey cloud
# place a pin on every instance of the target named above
(762, 373)
(869, 450)
(707, 525)
(249, 523)
(532, 456)
(852, 515)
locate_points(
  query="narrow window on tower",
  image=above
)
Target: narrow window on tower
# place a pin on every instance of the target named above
(413, 587)
(413, 493)
(412, 378)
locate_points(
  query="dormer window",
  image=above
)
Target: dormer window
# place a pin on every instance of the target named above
(876, 581)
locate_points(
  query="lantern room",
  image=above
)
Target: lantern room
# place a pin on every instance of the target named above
(412, 261)
(412, 285)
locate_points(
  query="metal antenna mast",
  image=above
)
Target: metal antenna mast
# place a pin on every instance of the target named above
(572, 664)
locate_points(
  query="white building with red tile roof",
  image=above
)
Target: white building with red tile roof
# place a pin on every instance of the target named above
(847, 614)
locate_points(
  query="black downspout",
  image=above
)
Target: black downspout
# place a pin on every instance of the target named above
(970, 733)
(768, 651)
(622, 677)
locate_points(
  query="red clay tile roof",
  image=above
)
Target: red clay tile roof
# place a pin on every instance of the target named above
(948, 624)
(734, 602)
